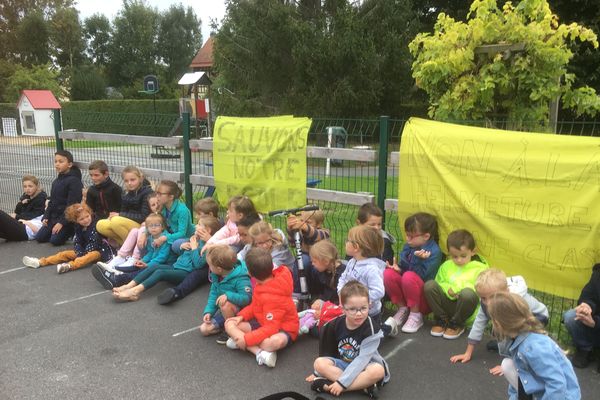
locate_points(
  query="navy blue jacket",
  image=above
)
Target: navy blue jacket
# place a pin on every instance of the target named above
(104, 198)
(134, 204)
(32, 208)
(66, 190)
(89, 240)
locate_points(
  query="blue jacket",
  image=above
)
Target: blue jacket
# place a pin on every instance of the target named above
(236, 285)
(157, 256)
(190, 260)
(134, 204)
(426, 268)
(88, 240)
(66, 190)
(179, 221)
(543, 368)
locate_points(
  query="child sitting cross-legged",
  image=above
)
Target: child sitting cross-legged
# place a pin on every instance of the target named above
(230, 290)
(270, 322)
(88, 244)
(348, 357)
(451, 295)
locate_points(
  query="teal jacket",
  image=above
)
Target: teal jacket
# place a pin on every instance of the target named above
(190, 260)
(158, 256)
(236, 285)
(179, 221)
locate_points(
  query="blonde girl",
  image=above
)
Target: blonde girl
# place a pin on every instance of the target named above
(238, 207)
(88, 244)
(365, 245)
(134, 207)
(536, 367)
(24, 223)
(328, 269)
(273, 240)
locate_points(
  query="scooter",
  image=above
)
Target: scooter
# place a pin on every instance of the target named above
(304, 298)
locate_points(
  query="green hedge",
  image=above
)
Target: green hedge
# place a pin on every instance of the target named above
(8, 110)
(170, 106)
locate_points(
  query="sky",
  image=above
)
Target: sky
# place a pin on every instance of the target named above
(205, 9)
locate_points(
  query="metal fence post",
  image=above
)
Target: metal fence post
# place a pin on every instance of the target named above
(187, 162)
(384, 136)
(57, 128)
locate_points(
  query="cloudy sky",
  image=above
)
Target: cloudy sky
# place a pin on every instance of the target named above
(205, 9)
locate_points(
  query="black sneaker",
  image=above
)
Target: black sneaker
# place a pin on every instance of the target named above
(581, 358)
(105, 278)
(167, 296)
(222, 338)
(372, 391)
(492, 346)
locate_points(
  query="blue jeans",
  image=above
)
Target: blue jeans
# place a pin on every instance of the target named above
(584, 337)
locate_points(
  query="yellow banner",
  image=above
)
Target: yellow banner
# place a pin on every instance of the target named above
(263, 158)
(531, 200)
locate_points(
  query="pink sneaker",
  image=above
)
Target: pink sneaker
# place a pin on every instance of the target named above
(413, 323)
(401, 315)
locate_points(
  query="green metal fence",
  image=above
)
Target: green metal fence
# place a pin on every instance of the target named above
(167, 147)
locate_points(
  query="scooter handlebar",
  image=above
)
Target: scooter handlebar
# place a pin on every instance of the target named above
(310, 207)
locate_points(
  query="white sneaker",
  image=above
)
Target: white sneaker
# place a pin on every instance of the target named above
(62, 268)
(117, 260)
(413, 323)
(393, 324)
(231, 344)
(31, 262)
(268, 358)
(107, 266)
(127, 263)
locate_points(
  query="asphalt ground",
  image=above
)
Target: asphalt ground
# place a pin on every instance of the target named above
(63, 337)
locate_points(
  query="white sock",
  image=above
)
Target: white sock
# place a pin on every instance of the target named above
(116, 261)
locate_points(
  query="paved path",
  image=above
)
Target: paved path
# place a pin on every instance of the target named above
(63, 337)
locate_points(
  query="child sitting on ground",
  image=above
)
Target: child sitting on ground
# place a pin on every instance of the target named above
(535, 367)
(489, 282)
(371, 215)
(206, 206)
(273, 240)
(104, 196)
(583, 322)
(348, 357)
(452, 295)
(66, 190)
(27, 218)
(89, 246)
(420, 259)
(238, 207)
(230, 290)
(365, 245)
(270, 322)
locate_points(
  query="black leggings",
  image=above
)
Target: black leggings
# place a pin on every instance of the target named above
(11, 229)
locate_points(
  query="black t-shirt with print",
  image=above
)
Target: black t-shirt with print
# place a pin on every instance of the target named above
(349, 341)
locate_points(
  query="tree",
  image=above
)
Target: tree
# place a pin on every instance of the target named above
(36, 77)
(97, 33)
(32, 40)
(179, 38)
(133, 48)
(465, 84)
(88, 84)
(67, 38)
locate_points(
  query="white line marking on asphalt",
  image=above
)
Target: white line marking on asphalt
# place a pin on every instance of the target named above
(81, 298)
(398, 348)
(11, 270)
(186, 331)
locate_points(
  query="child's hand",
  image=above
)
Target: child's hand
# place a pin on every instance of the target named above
(451, 293)
(25, 201)
(159, 242)
(583, 309)
(335, 389)
(496, 371)
(463, 358)
(393, 266)
(585, 319)
(207, 317)
(193, 242)
(294, 223)
(310, 378)
(221, 300)
(204, 234)
(234, 320)
(424, 254)
(185, 246)
(45, 222)
(56, 228)
(139, 264)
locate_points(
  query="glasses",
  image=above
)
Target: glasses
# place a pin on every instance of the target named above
(354, 310)
(154, 225)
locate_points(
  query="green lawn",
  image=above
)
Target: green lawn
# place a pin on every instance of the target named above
(84, 144)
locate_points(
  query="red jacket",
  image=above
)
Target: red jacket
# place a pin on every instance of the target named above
(272, 306)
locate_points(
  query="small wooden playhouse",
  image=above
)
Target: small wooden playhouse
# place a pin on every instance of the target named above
(36, 109)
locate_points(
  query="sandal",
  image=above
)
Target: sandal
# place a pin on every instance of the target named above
(318, 385)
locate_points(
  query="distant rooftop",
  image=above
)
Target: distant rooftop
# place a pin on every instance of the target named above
(203, 61)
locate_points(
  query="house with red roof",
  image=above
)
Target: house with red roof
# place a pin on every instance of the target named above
(36, 108)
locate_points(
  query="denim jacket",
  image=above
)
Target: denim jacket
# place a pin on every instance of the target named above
(543, 369)
(426, 268)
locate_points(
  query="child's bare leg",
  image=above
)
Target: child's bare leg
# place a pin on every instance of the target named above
(208, 329)
(233, 328)
(327, 369)
(131, 294)
(125, 287)
(276, 342)
(370, 376)
(228, 310)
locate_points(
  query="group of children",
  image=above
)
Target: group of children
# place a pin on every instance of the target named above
(136, 237)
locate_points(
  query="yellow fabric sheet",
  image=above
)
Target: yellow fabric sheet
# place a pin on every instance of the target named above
(263, 158)
(531, 200)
